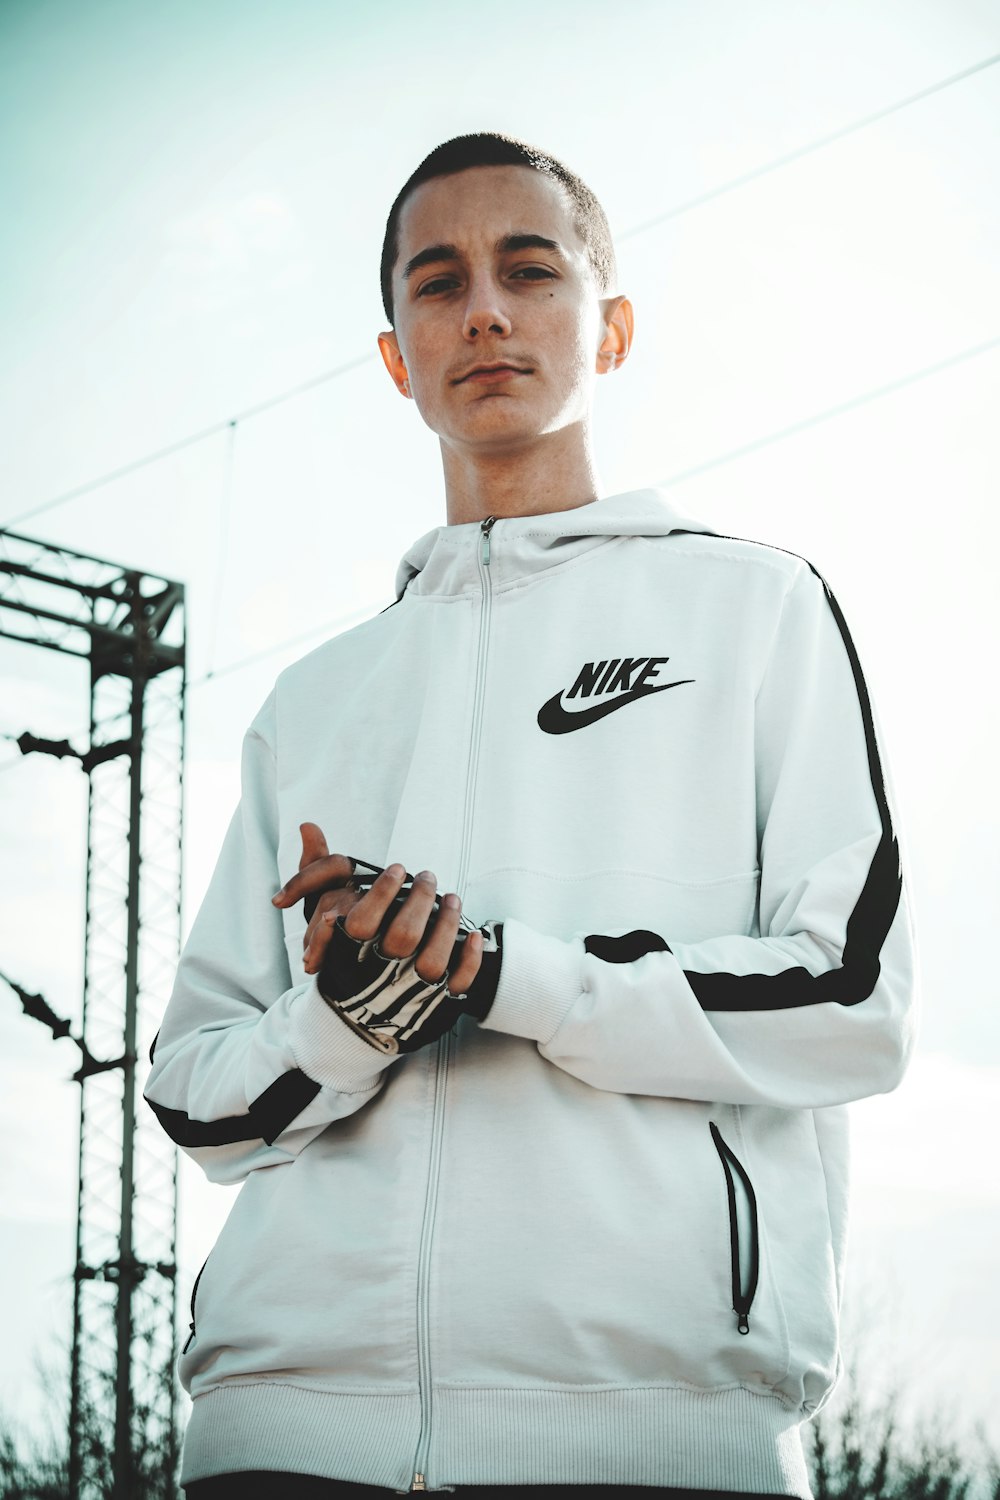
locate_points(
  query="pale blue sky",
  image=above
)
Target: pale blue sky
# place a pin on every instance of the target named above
(194, 199)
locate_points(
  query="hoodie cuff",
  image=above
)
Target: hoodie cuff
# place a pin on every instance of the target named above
(541, 979)
(328, 1051)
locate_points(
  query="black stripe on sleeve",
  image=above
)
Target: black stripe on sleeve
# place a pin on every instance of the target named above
(269, 1114)
(869, 923)
(626, 949)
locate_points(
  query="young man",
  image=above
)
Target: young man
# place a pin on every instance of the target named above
(544, 1182)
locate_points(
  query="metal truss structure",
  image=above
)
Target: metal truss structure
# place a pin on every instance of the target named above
(129, 626)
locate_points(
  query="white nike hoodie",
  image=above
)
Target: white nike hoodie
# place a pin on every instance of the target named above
(597, 1238)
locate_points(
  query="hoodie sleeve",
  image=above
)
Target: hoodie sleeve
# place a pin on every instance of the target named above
(247, 1067)
(817, 1010)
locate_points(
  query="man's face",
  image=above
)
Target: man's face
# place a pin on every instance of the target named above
(469, 292)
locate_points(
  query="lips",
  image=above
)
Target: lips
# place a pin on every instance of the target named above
(491, 372)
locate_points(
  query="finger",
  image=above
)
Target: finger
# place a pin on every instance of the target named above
(314, 845)
(364, 919)
(436, 948)
(316, 939)
(323, 874)
(461, 978)
(405, 931)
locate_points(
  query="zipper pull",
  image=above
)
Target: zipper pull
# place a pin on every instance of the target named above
(743, 1326)
(486, 527)
(418, 1483)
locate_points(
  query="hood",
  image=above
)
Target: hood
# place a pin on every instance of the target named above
(445, 560)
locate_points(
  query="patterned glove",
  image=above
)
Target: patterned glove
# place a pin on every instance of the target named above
(384, 999)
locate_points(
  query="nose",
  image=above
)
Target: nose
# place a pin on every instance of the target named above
(484, 311)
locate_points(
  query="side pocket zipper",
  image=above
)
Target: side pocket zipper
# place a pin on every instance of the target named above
(194, 1293)
(742, 1296)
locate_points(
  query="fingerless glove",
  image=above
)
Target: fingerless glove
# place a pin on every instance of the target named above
(384, 999)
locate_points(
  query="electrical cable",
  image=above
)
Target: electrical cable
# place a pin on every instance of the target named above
(324, 629)
(188, 442)
(673, 479)
(831, 411)
(333, 374)
(816, 145)
(222, 557)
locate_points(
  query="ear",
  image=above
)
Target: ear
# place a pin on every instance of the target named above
(394, 362)
(618, 321)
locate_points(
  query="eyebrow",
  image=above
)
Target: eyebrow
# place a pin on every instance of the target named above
(507, 243)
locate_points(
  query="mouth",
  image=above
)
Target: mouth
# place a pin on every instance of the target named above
(491, 372)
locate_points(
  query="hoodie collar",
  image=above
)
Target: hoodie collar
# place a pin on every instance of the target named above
(446, 559)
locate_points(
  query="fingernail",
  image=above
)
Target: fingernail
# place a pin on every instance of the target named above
(396, 871)
(275, 900)
(451, 900)
(426, 875)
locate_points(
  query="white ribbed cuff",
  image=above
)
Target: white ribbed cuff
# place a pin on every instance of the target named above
(541, 978)
(328, 1050)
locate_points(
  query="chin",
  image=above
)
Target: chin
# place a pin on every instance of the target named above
(521, 420)
(500, 435)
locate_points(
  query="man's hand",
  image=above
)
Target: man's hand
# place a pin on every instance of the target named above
(322, 882)
(326, 877)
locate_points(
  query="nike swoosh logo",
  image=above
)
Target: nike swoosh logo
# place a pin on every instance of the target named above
(554, 719)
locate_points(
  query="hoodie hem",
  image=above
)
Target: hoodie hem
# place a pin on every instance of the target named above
(732, 1439)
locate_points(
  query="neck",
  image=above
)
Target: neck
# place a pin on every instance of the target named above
(556, 472)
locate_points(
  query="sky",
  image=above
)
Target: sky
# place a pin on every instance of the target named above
(195, 198)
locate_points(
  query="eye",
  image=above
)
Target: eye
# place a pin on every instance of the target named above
(430, 287)
(535, 273)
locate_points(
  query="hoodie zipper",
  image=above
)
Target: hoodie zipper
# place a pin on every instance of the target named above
(742, 1295)
(483, 560)
(419, 1481)
(424, 1260)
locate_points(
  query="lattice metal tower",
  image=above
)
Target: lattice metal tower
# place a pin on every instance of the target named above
(129, 625)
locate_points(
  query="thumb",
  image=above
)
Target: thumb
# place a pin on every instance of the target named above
(313, 844)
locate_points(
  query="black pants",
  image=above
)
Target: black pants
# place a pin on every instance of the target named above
(266, 1485)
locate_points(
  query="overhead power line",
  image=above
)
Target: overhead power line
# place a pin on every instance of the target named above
(187, 442)
(362, 359)
(819, 144)
(830, 412)
(326, 628)
(222, 551)
(876, 394)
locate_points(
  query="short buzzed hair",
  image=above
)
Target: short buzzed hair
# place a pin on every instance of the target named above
(489, 149)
